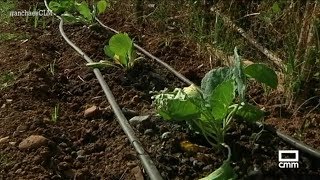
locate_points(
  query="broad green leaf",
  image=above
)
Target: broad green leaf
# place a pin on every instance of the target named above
(108, 52)
(239, 75)
(175, 106)
(68, 5)
(262, 74)
(123, 60)
(102, 6)
(55, 7)
(224, 172)
(221, 98)
(213, 78)
(179, 110)
(70, 18)
(120, 44)
(250, 113)
(84, 10)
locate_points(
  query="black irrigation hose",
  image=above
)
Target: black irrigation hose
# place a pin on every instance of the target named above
(179, 75)
(293, 142)
(146, 161)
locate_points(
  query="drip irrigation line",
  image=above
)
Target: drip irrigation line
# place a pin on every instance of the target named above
(293, 142)
(179, 75)
(145, 159)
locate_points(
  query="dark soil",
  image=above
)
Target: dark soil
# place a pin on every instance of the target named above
(95, 147)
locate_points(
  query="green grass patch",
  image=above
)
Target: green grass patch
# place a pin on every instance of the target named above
(12, 37)
(6, 80)
(5, 8)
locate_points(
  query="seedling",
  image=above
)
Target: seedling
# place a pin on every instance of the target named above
(6, 80)
(210, 110)
(120, 50)
(73, 11)
(55, 114)
(52, 67)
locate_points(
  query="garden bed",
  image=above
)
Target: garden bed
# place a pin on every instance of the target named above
(94, 146)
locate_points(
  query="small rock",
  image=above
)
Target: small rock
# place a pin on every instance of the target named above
(16, 133)
(33, 141)
(80, 152)
(165, 135)
(63, 145)
(12, 143)
(131, 164)
(148, 132)
(138, 119)
(63, 166)
(22, 128)
(3, 106)
(151, 5)
(70, 173)
(92, 111)
(4, 139)
(207, 168)
(137, 173)
(129, 112)
(81, 158)
(18, 171)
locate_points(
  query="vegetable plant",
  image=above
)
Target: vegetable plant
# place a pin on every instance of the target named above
(210, 109)
(74, 11)
(121, 51)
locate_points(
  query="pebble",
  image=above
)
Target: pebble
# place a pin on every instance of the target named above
(32, 142)
(18, 171)
(129, 112)
(137, 173)
(138, 120)
(165, 135)
(22, 128)
(81, 158)
(63, 145)
(4, 139)
(148, 132)
(80, 152)
(63, 166)
(12, 143)
(207, 168)
(92, 111)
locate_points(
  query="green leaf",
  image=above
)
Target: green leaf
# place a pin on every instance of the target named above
(212, 79)
(121, 45)
(84, 10)
(239, 75)
(102, 6)
(70, 18)
(221, 98)
(175, 106)
(55, 7)
(250, 113)
(224, 172)
(108, 52)
(262, 74)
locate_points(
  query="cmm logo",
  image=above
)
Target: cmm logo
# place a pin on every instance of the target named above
(288, 162)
